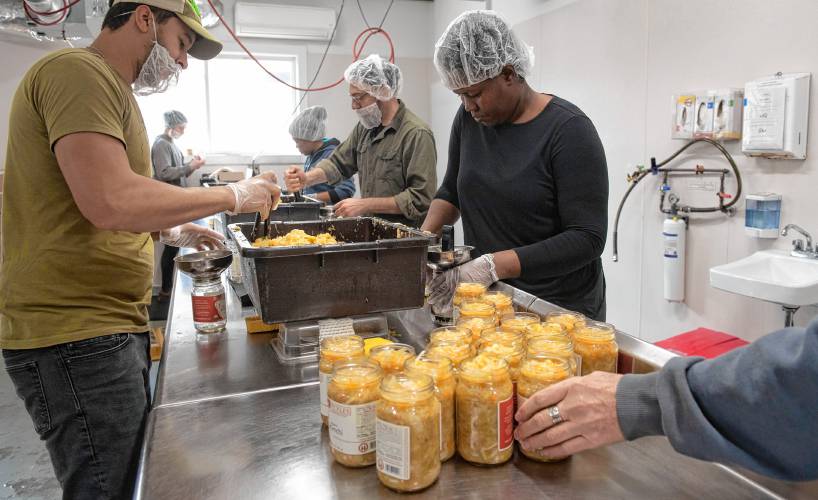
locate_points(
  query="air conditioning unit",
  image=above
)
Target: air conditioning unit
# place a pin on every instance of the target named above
(289, 22)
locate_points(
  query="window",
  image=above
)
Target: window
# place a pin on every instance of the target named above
(231, 106)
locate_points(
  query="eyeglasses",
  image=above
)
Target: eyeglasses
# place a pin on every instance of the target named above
(359, 98)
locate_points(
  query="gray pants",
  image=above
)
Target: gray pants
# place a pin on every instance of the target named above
(89, 402)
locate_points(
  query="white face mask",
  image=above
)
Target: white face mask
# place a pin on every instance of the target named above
(370, 116)
(159, 72)
(174, 134)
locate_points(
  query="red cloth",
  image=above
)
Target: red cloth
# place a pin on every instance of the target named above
(701, 342)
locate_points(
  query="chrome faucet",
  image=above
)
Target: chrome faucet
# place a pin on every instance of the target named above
(799, 248)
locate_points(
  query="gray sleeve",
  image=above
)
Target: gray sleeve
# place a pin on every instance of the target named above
(756, 406)
(162, 158)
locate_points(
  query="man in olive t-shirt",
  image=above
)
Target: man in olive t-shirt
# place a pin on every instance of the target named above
(77, 253)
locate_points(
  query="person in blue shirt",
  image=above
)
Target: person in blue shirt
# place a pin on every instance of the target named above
(756, 407)
(308, 130)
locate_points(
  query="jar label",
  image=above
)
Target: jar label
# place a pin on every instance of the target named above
(352, 427)
(323, 383)
(394, 447)
(209, 308)
(505, 423)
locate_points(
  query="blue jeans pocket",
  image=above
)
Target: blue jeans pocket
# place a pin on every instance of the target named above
(29, 388)
(97, 347)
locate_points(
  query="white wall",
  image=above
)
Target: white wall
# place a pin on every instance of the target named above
(19, 53)
(620, 62)
(408, 25)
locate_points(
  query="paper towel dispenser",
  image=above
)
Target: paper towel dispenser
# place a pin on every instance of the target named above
(776, 110)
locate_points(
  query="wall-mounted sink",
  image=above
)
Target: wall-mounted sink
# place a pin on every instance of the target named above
(771, 275)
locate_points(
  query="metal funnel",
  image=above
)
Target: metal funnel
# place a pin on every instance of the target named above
(207, 264)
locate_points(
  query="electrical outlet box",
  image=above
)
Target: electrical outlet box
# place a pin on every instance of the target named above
(776, 112)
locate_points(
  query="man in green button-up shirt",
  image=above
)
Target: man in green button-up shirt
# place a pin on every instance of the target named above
(391, 149)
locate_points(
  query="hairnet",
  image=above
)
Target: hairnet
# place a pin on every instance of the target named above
(309, 124)
(376, 76)
(476, 46)
(174, 118)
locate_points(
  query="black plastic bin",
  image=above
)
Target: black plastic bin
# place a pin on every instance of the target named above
(378, 266)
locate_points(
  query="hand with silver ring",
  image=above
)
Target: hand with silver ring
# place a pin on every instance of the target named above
(574, 415)
(554, 413)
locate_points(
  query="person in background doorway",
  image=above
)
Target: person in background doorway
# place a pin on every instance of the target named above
(526, 172)
(391, 150)
(169, 166)
(168, 160)
(308, 130)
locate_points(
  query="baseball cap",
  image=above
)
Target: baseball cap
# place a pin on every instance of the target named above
(206, 46)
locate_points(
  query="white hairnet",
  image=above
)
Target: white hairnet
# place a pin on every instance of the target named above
(174, 118)
(376, 76)
(476, 46)
(309, 124)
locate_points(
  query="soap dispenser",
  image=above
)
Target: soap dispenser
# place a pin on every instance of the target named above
(762, 216)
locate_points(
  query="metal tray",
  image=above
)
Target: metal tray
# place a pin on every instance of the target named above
(287, 210)
(378, 266)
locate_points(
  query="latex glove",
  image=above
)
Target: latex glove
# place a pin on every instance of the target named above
(296, 179)
(351, 207)
(441, 289)
(587, 406)
(256, 194)
(197, 162)
(192, 235)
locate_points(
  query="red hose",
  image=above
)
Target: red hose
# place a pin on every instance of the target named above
(64, 8)
(356, 52)
(30, 13)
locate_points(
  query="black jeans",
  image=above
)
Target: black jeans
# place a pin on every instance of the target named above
(167, 267)
(89, 402)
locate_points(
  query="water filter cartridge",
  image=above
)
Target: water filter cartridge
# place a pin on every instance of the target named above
(674, 235)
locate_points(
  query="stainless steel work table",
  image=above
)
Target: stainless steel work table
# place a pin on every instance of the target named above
(197, 367)
(231, 421)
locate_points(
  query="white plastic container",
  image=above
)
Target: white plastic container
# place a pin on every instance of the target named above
(674, 234)
(762, 215)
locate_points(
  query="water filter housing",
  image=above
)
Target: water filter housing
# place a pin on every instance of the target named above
(674, 233)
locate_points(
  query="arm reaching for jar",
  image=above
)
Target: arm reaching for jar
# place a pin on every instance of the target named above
(755, 407)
